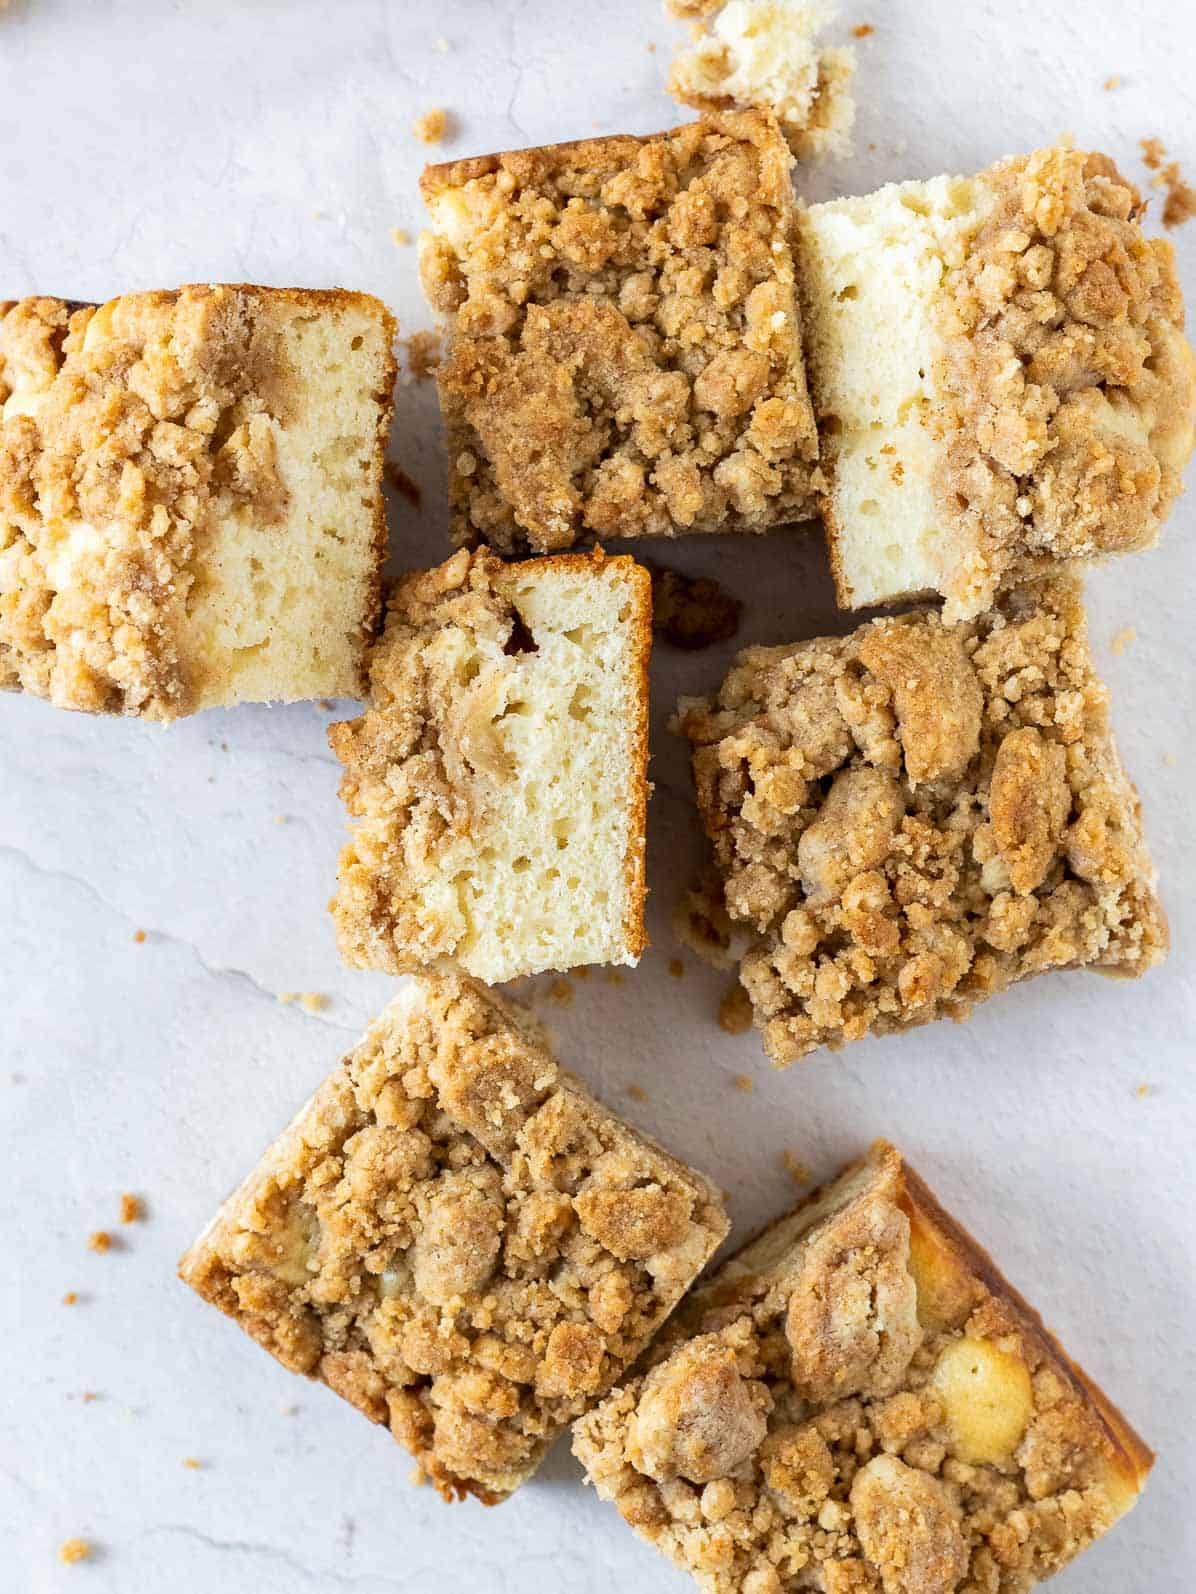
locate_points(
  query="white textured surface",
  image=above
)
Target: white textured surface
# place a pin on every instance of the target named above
(145, 143)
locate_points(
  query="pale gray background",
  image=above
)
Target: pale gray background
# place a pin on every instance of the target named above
(146, 143)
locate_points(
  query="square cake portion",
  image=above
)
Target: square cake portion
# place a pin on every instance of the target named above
(497, 783)
(1000, 376)
(859, 1403)
(191, 510)
(458, 1239)
(625, 354)
(912, 817)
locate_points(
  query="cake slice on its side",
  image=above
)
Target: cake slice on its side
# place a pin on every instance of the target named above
(458, 1239)
(191, 511)
(859, 1403)
(624, 340)
(999, 374)
(911, 818)
(497, 783)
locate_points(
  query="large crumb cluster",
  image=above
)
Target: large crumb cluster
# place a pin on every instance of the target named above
(859, 1404)
(910, 818)
(625, 350)
(458, 1239)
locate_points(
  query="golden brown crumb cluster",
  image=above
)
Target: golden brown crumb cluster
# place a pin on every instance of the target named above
(123, 422)
(1069, 387)
(458, 1239)
(625, 354)
(912, 817)
(860, 1404)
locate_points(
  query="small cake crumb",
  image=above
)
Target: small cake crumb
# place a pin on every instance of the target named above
(735, 1011)
(1122, 639)
(132, 1208)
(89, 1397)
(1113, 82)
(676, 968)
(326, 704)
(432, 127)
(797, 1171)
(637, 1093)
(1179, 206)
(287, 997)
(1142, 1090)
(1170, 760)
(561, 992)
(865, 30)
(1154, 152)
(313, 1001)
(423, 354)
(745, 1083)
(614, 977)
(73, 1550)
(70, 1298)
(100, 1241)
(280, 819)
(400, 236)
(192, 1463)
(582, 973)
(402, 484)
(691, 612)
(139, 937)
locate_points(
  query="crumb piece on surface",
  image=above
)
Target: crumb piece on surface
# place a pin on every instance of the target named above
(89, 1397)
(766, 54)
(583, 973)
(863, 30)
(432, 127)
(280, 819)
(400, 236)
(798, 1171)
(614, 976)
(676, 968)
(326, 704)
(735, 1011)
(1142, 1090)
(314, 1001)
(692, 612)
(132, 1208)
(287, 997)
(100, 1241)
(192, 1463)
(745, 1083)
(1170, 760)
(1154, 152)
(637, 1093)
(1122, 639)
(424, 354)
(1113, 82)
(403, 485)
(70, 1298)
(561, 992)
(139, 937)
(73, 1550)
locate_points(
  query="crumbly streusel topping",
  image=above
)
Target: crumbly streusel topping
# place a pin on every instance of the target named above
(458, 1239)
(625, 355)
(830, 1425)
(914, 816)
(121, 424)
(1069, 389)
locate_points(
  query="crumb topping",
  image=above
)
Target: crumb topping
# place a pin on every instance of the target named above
(913, 817)
(458, 1239)
(1069, 389)
(625, 355)
(840, 1419)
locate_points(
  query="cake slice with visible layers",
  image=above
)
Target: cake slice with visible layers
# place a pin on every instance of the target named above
(458, 1239)
(497, 783)
(191, 510)
(859, 1403)
(911, 818)
(624, 339)
(1000, 376)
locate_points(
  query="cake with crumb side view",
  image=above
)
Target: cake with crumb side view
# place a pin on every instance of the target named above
(191, 511)
(911, 818)
(1000, 376)
(859, 1403)
(458, 1239)
(497, 784)
(624, 338)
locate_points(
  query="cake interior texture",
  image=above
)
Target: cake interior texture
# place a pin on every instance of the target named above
(190, 496)
(859, 1403)
(1000, 376)
(624, 354)
(909, 819)
(458, 1239)
(497, 783)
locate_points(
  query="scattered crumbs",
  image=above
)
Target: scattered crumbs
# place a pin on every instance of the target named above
(561, 992)
(287, 997)
(797, 1171)
(637, 1093)
(402, 483)
(313, 1001)
(139, 937)
(90, 1397)
(676, 968)
(432, 127)
(1142, 1089)
(70, 1298)
(192, 1464)
(651, 48)
(614, 977)
(224, 747)
(400, 236)
(1113, 82)
(289, 1411)
(280, 819)
(745, 1083)
(100, 1241)
(863, 30)
(735, 1011)
(691, 612)
(1180, 204)
(1122, 640)
(72, 1550)
(1153, 152)
(132, 1209)
(1170, 760)
(326, 704)
(423, 353)
(701, 923)
(583, 973)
